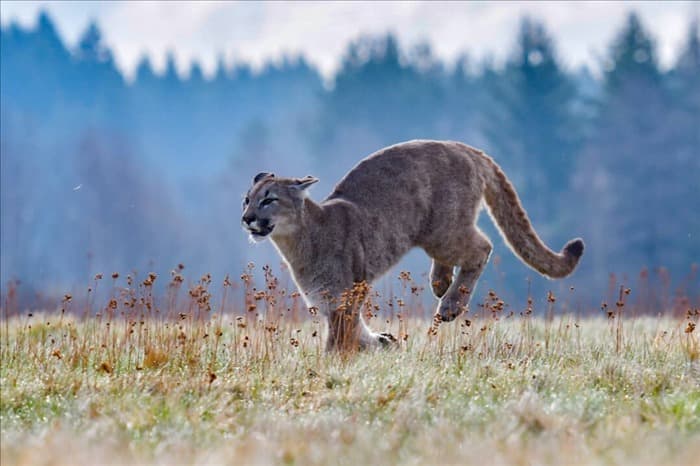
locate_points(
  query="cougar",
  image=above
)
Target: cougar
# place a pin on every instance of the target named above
(424, 194)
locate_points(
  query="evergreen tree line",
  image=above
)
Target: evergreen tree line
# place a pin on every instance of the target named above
(100, 174)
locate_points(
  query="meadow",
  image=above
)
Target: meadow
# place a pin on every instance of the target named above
(183, 375)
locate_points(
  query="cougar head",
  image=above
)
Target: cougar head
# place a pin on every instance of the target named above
(273, 204)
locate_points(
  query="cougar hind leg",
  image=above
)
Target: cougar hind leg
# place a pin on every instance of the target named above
(440, 278)
(471, 264)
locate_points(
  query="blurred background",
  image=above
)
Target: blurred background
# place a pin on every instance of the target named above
(130, 131)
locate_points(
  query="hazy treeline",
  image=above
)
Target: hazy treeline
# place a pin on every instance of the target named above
(100, 174)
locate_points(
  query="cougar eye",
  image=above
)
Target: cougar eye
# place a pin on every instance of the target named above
(246, 200)
(267, 201)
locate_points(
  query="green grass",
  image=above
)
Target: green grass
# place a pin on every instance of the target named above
(200, 388)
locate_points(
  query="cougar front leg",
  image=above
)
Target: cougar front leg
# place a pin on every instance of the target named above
(343, 326)
(347, 329)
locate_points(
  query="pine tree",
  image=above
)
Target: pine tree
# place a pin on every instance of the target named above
(685, 86)
(49, 43)
(683, 123)
(221, 75)
(380, 97)
(629, 175)
(464, 104)
(91, 47)
(529, 122)
(144, 72)
(171, 79)
(26, 57)
(97, 83)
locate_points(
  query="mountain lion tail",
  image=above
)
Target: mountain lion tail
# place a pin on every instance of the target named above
(509, 215)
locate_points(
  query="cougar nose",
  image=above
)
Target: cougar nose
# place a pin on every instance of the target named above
(248, 219)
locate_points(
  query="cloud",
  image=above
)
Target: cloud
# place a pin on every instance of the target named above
(259, 31)
(157, 28)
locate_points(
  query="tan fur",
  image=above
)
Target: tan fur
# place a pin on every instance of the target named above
(423, 194)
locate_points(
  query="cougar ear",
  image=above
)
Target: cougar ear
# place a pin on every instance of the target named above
(303, 183)
(262, 175)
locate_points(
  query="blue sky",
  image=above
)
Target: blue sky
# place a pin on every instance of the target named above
(258, 31)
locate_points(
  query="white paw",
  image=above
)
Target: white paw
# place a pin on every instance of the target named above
(377, 340)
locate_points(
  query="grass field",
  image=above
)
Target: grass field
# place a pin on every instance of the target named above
(173, 381)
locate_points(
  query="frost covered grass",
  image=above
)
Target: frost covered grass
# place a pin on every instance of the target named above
(176, 381)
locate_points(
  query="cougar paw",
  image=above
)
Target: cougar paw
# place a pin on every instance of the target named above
(449, 309)
(372, 340)
(386, 339)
